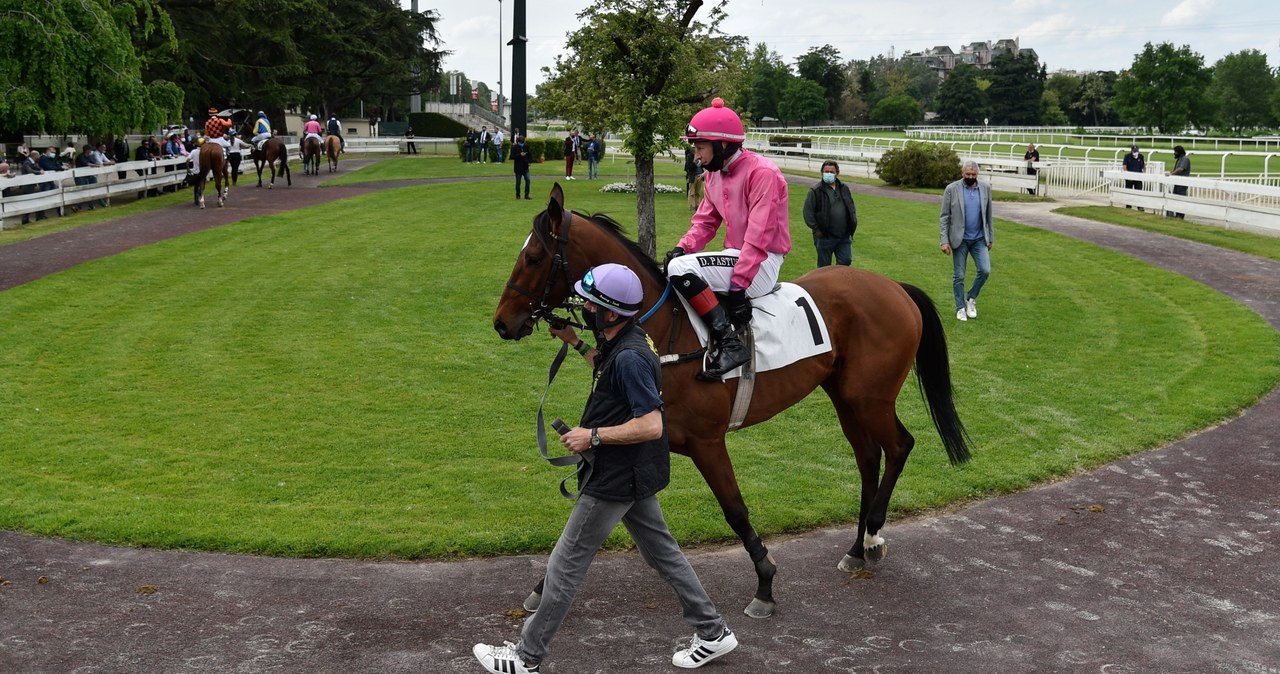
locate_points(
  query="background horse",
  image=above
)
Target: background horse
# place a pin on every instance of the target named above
(878, 329)
(273, 150)
(213, 159)
(332, 148)
(310, 156)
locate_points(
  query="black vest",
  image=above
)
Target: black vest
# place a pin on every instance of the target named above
(624, 472)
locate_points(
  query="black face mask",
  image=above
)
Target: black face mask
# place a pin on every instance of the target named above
(971, 181)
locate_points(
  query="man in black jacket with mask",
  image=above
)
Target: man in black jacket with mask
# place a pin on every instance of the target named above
(829, 211)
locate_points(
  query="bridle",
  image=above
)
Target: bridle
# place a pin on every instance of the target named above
(559, 270)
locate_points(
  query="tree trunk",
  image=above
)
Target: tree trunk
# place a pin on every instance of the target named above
(646, 219)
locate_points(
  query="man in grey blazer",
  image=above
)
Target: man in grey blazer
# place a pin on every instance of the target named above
(965, 229)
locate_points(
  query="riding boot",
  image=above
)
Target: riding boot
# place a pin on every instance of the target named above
(727, 352)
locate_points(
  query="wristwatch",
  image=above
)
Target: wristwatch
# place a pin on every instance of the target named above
(595, 438)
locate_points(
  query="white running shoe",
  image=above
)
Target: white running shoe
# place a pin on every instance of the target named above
(701, 652)
(502, 659)
(960, 315)
(971, 308)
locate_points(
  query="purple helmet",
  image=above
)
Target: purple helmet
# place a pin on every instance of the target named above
(716, 123)
(613, 287)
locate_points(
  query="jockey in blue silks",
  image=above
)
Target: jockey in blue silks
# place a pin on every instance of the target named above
(261, 130)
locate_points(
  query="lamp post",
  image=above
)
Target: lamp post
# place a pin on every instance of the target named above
(501, 117)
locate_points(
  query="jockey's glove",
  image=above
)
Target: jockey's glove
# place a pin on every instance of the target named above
(738, 308)
(671, 255)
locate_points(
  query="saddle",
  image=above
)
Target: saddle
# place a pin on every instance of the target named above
(786, 326)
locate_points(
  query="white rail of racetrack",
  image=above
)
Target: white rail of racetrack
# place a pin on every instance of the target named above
(1251, 202)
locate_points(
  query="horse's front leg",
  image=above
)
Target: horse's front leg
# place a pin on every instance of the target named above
(712, 460)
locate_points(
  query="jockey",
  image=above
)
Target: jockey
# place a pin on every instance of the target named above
(261, 130)
(334, 128)
(748, 194)
(215, 128)
(310, 129)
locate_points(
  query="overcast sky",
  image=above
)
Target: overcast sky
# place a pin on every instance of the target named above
(1080, 35)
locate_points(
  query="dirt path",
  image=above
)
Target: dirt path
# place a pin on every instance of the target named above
(1166, 562)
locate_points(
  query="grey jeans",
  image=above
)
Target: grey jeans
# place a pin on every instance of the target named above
(589, 525)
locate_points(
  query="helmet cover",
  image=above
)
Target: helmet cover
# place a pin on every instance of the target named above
(613, 287)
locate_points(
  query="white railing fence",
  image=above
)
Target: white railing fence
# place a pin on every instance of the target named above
(24, 195)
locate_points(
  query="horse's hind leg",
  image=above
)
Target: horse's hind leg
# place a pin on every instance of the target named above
(534, 599)
(873, 428)
(712, 460)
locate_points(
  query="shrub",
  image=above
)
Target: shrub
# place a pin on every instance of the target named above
(919, 165)
(435, 125)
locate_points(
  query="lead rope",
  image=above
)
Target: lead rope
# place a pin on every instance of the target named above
(583, 461)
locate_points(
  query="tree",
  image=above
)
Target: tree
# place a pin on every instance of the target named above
(803, 101)
(1095, 101)
(644, 69)
(898, 110)
(1017, 85)
(767, 77)
(824, 66)
(960, 99)
(1065, 88)
(70, 66)
(1163, 89)
(299, 53)
(1052, 113)
(1241, 89)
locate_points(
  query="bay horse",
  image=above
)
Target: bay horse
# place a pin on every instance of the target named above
(878, 329)
(333, 148)
(310, 156)
(213, 159)
(273, 150)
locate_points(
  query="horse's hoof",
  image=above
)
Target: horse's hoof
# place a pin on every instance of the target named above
(850, 564)
(877, 553)
(532, 601)
(760, 609)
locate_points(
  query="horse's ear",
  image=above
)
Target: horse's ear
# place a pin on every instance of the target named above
(555, 207)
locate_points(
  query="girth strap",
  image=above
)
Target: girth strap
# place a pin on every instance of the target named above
(746, 382)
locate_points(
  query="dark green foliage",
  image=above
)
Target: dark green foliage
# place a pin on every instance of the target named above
(919, 165)
(960, 99)
(898, 110)
(824, 66)
(1017, 88)
(1164, 88)
(69, 66)
(435, 125)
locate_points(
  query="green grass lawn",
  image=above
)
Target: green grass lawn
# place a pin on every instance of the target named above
(327, 381)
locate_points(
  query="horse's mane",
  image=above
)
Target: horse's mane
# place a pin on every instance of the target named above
(612, 228)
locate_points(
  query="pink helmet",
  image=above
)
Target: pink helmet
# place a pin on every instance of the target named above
(613, 287)
(716, 123)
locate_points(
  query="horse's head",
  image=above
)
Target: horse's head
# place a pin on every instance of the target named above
(543, 275)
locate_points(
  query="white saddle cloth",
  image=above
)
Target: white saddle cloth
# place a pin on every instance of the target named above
(787, 327)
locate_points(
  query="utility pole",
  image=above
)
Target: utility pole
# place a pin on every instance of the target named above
(501, 117)
(519, 97)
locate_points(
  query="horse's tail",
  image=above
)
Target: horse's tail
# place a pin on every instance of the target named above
(933, 374)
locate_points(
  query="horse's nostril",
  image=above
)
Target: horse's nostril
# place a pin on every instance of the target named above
(500, 328)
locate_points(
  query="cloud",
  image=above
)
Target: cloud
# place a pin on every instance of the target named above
(1188, 12)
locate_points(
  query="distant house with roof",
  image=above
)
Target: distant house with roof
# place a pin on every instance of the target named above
(942, 60)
